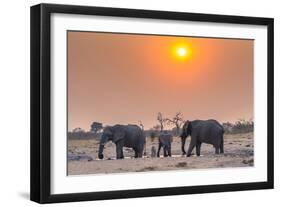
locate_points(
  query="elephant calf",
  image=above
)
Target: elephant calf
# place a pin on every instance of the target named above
(153, 152)
(202, 131)
(165, 141)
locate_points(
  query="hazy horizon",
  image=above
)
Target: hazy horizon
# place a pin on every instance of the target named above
(126, 78)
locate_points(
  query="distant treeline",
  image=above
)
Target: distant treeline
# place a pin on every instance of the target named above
(240, 126)
(79, 133)
(83, 135)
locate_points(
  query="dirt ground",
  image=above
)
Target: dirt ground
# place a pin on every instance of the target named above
(82, 156)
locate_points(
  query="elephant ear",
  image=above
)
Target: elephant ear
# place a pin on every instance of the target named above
(118, 135)
(185, 126)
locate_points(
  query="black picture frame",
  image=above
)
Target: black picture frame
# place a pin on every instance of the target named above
(41, 99)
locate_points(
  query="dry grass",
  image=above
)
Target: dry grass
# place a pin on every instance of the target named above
(239, 152)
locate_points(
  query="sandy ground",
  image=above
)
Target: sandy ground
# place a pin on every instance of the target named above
(82, 156)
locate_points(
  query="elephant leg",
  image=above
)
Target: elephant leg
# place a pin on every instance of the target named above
(221, 147)
(217, 149)
(139, 154)
(191, 146)
(165, 151)
(198, 148)
(142, 151)
(169, 151)
(119, 151)
(136, 152)
(159, 148)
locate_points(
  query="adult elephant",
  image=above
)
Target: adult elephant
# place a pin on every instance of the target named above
(165, 141)
(131, 136)
(202, 131)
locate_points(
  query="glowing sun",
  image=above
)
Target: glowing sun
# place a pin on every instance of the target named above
(181, 51)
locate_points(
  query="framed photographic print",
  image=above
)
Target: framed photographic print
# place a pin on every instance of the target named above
(123, 100)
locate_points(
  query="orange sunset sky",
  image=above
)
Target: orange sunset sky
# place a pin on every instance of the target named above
(124, 78)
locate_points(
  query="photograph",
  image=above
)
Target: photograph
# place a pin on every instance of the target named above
(148, 102)
(129, 103)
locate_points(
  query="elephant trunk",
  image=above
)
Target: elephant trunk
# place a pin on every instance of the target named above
(103, 141)
(183, 139)
(183, 134)
(101, 151)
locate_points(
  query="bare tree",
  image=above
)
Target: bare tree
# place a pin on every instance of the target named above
(161, 121)
(177, 121)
